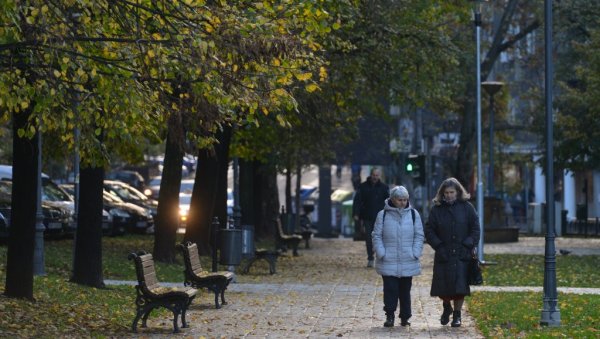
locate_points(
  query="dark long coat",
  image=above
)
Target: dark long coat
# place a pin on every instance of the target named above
(452, 230)
(370, 199)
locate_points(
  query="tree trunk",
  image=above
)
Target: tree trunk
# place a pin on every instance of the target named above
(87, 262)
(167, 216)
(203, 203)
(19, 261)
(266, 197)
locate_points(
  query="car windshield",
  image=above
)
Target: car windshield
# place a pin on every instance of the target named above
(126, 192)
(51, 192)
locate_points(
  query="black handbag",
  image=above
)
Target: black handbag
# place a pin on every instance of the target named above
(475, 275)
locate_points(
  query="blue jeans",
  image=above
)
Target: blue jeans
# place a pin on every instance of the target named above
(397, 289)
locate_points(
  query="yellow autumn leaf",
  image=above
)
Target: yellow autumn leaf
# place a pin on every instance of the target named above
(280, 92)
(24, 104)
(265, 111)
(303, 76)
(276, 62)
(150, 53)
(311, 88)
(322, 73)
(56, 73)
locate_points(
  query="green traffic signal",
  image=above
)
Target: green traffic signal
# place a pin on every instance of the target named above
(409, 167)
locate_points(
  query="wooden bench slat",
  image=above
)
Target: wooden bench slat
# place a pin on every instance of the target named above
(151, 295)
(195, 276)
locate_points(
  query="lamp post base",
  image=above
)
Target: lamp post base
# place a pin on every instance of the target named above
(550, 318)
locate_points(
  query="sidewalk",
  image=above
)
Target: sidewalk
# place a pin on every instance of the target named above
(327, 292)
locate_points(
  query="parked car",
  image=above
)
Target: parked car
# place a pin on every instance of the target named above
(107, 218)
(129, 194)
(128, 217)
(132, 178)
(153, 187)
(57, 219)
(184, 207)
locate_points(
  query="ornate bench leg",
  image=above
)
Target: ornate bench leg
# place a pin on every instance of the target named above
(138, 315)
(175, 326)
(185, 305)
(295, 248)
(216, 292)
(272, 261)
(223, 302)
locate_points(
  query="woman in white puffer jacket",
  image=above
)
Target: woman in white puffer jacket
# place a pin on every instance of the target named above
(398, 244)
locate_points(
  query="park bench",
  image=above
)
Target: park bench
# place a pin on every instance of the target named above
(305, 231)
(263, 254)
(151, 295)
(287, 240)
(196, 277)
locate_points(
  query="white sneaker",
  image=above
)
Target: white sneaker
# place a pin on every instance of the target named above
(370, 263)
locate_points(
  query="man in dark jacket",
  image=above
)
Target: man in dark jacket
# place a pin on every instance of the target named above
(368, 201)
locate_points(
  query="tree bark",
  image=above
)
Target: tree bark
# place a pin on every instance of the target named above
(266, 197)
(87, 261)
(19, 261)
(204, 202)
(167, 215)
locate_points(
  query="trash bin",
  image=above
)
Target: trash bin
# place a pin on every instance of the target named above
(230, 246)
(247, 241)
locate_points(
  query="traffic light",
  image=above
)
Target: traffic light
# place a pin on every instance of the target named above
(415, 167)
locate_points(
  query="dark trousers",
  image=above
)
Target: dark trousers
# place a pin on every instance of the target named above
(368, 225)
(397, 289)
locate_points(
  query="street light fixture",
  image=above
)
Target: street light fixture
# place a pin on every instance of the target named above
(491, 87)
(550, 311)
(477, 21)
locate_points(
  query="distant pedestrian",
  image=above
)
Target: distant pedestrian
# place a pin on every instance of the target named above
(368, 201)
(398, 242)
(355, 170)
(453, 231)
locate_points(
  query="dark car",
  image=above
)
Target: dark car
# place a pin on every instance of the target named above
(128, 217)
(107, 219)
(131, 178)
(130, 194)
(56, 218)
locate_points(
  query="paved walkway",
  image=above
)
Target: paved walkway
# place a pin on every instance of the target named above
(328, 292)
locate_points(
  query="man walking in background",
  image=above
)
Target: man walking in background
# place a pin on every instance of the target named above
(368, 201)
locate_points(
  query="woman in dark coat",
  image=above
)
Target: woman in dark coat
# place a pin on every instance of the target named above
(453, 231)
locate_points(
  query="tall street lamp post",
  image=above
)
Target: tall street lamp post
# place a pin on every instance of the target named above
(477, 22)
(491, 87)
(550, 311)
(38, 250)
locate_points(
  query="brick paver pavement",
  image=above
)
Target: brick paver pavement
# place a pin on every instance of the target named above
(328, 292)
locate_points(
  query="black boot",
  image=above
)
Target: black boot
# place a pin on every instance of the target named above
(404, 322)
(389, 320)
(455, 319)
(445, 319)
